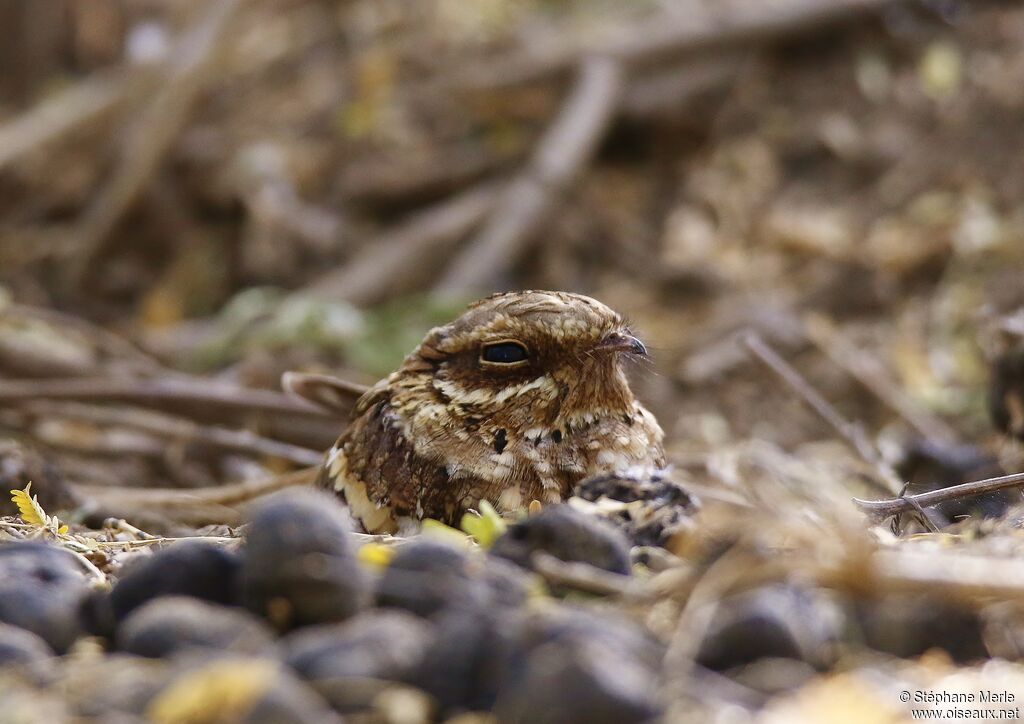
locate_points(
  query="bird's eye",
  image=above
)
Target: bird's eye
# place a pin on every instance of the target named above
(504, 353)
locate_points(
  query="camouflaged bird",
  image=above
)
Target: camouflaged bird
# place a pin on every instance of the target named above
(518, 399)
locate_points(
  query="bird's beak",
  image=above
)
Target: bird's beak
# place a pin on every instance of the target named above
(622, 342)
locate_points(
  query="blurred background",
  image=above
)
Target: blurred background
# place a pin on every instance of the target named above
(239, 188)
(197, 196)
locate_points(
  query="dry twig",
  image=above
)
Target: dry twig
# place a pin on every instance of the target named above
(59, 114)
(331, 393)
(153, 132)
(869, 372)
(393, 262)
(699, 611)
(970, 576)
(180, 429)
(884, 508)
(851, 433)
(563, 151)
(672, 88)
(103, 338)
(580, 576)
(665, 34)
(155, 392)
(195, 507)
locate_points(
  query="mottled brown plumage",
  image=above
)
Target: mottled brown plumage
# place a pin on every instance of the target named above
(518, 399)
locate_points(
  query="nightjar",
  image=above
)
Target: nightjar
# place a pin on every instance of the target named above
(518, 399)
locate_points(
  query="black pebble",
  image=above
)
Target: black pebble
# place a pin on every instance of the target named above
(1006, 392)
(190, 568)
(338, 659)
(583, 666)
(567, 534)
(171, 624)
(774, 622)
(426, 577)
(22, 649)
(907, 625)
(473, 655)
(588, 682)
(298, 566)
(572, 625)
(41, 588)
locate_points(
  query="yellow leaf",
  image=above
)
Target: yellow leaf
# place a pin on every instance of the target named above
(486, 526)
(32, 512)
(222, 691)
(28, 508)
(376, 554)
(442, 533)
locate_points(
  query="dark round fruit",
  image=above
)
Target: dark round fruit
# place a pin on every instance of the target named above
(298, 565)
(426, 577)
(567, 534)
(41, 588)
(191, 568)
(170, 624)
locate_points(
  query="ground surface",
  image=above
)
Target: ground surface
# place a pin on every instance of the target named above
(199, 198)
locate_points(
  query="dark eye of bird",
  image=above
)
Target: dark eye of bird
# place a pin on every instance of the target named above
(504, 353)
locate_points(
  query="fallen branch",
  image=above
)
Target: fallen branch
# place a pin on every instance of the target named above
(449, 169)
(850, 432)
(661, 35)
(870, 373)
(59, 114)
(118, 347)
(152, 134)
(973, 577)
(580, 576)
(673, 88)
(393, 262)
(563, 151)
(157, 391)
(199, 506)
(180, 429)
(885, 508)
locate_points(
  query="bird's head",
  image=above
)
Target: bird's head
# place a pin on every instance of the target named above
(535, 355)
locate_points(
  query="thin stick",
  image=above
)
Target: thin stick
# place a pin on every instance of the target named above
(59, 114)
(564, 150)
(663, 34)
(580, 576)
(114, 343)
(673, 88)
(394, 261)
(154, 131)
(951, 574)
(169, 426)
(214, 504)
(701, 605)
(884, 508)
(851, 433)
(155, 391)
(925, 518)
(870, 373)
